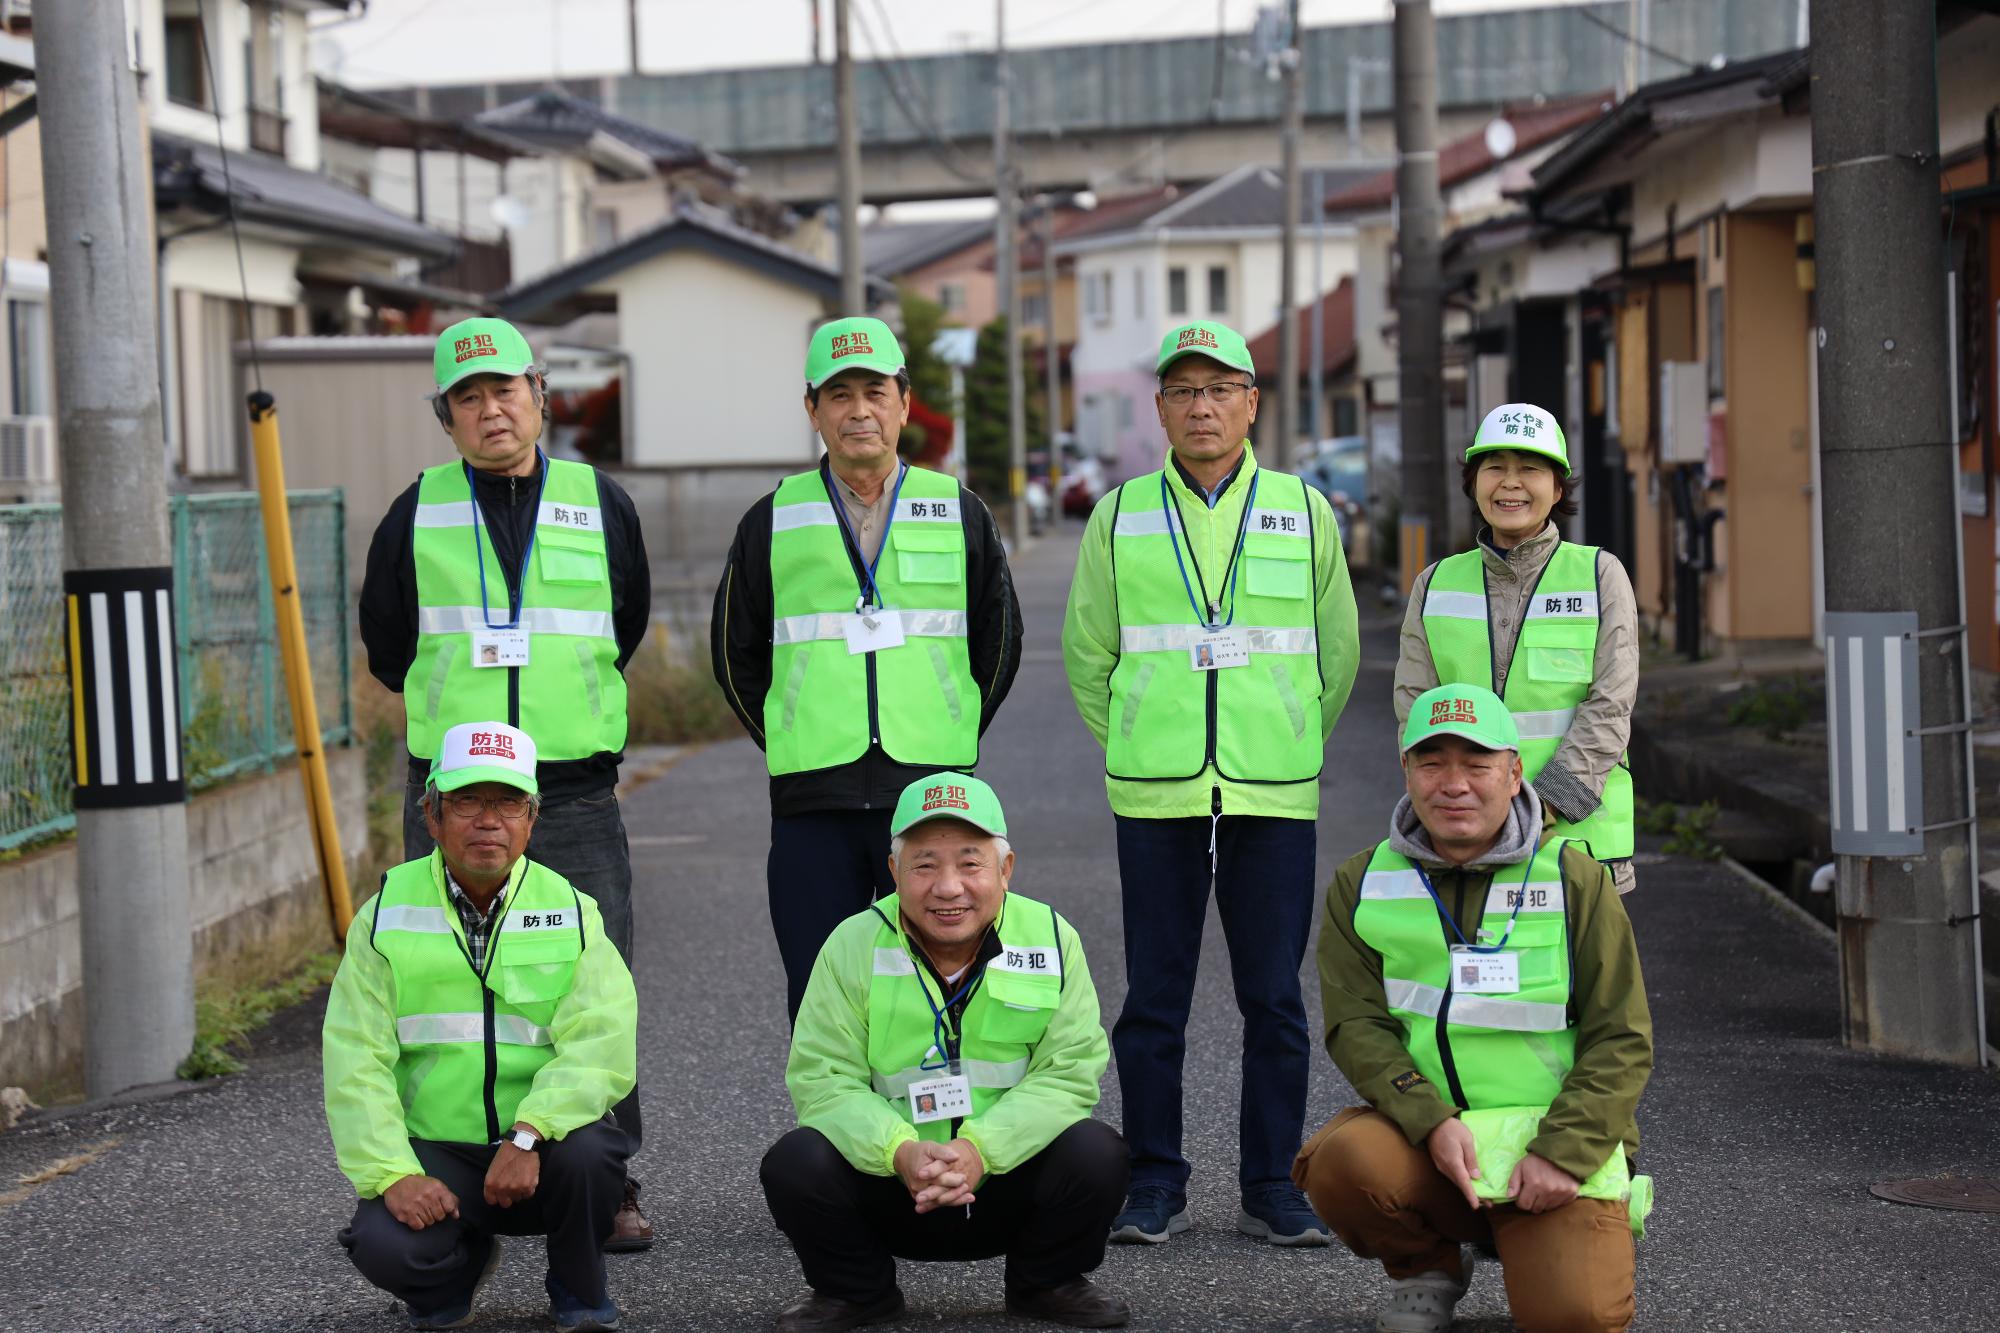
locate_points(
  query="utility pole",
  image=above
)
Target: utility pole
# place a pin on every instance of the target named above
(1051, 353)
(812, 6)
(131, 816)
(853, 297)
(1316, 375)
(1909, 934)
(1289, 61)
(1004, 225)
(1419, 288)
(632, 32)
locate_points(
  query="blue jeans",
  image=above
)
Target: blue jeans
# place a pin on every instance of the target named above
(823, 868)
(1264, 894)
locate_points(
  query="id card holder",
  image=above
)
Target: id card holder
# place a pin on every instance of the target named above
(1484, 973)
(499, 648)
(872, 630)
(946, 1097)
(1220, 649)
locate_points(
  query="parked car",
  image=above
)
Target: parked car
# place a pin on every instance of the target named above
(1338, 469)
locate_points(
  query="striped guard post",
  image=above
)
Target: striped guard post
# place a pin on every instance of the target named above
(125, 725)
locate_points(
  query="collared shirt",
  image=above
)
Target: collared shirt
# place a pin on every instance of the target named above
(868, 522)
(478, 925)
(1203, 491)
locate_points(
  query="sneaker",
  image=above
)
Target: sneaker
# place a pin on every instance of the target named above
(1283, 1217)
(572, 1315)
(814, 1313)
(1424, 1303)
(1078, 1303)
(630, 1231)
(459, 1313)
(1152, 1213)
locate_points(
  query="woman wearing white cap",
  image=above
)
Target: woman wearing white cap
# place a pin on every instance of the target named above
(1547, 624)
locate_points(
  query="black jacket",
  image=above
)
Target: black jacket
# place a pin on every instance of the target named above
(507, 508)
(739, 634)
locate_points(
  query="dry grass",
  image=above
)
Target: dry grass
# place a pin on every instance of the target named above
(671, 697)
(24, 1185)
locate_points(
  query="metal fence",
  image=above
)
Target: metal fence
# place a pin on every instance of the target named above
(234, 713)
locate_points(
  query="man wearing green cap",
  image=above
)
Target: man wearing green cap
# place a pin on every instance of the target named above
(1210, 643)
(943, 1066)
(505, 584)
(865, 631)
(1482, 994)
(476, 1036)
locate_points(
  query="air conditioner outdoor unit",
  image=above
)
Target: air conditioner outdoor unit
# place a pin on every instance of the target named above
(28, 451)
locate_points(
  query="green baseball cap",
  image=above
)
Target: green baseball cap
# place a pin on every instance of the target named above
(1205, 337)
(1521, 426)
(855, 343)
(480, 347)
(949, 796)
(1471, 711)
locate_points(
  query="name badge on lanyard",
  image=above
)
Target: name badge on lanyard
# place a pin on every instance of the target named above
(1484, 973)
(1220, 649)
(872, 630)
(946, 1097)
(499, 648)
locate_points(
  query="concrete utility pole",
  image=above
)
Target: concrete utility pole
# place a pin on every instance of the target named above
(131, 818)
(1316, 375)
(632, 31)
(1004, 225)
(1289, 61)
(1051, 353)
(1419, 289)
(853, 295)
(1909, 944)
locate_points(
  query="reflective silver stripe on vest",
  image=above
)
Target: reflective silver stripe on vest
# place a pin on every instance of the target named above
(813, 514)
(1141, 523)
(458, 514)
(1391, 885)
(831, 625)
(1272, 523)
(1455, 605)
(535, 619)
(1550, 726)
(1480, 1011)
(979, 1073)
(894, 963)
(416, 920)
(446, 1029)
(1563, 605)
(1300, 642)
(1500, 900)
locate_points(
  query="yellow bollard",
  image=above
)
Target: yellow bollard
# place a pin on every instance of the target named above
(291, 625)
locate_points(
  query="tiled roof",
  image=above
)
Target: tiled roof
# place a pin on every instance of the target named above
(1336, 331)
(1466, 157)
(554, 119)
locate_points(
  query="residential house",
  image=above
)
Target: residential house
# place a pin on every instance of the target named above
(27, 389)
(949, 263)
(1327, 323)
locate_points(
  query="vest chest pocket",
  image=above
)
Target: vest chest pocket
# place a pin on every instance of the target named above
(569, 557)
(1277, 566)
(1553, 653)
(1017, 1007)
(536, 966)
(929, 552)
(1540, 945)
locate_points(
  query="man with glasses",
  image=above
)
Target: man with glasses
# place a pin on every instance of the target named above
(477, 1035)
(1210, 643)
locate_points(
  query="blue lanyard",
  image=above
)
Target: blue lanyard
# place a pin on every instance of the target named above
(1519, 898)
(871, 595)
(942, 1040)
(1202, 614)
(520, 590)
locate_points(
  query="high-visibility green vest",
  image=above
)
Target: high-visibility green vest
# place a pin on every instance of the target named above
(1255, 723)
(1490, 1054)
(1555, 660)
(570, 697)
(824, 706)
(1009, 1011)
(453, 1024)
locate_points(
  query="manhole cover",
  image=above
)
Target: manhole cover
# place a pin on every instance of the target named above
(1978, 1195)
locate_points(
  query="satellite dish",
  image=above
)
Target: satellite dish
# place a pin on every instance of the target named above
(1500, 138)
(511, 213)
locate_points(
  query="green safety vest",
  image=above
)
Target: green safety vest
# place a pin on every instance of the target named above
(1499, 1058)
(452, 1024)
(570, 698)
(822, 708)
(1004, 1020)
(1555, 660)
(1255, 723)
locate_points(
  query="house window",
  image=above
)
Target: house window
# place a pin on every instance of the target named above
(951, 297)
(185, 83)
(1097, 296)
(1177, 302)
(1716, 380)
(1346, 417)
(28, 355)
(1124, 411)
(604, 228)
(1139, 292)
(1218, 290)
(1034, 309)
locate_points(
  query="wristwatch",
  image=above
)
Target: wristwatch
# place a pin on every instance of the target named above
(524, 1139)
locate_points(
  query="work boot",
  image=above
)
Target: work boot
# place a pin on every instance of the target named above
(1424, 1303)
(1079, 1303)
(630, 1231)
(815, 1313)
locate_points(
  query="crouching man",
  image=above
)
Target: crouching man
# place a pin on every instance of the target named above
(1482, 992)
(479, 1029)
(944, 1064)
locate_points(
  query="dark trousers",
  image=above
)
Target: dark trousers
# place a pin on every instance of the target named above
(583, 840)
(582, 1185)
(1264, 893)
(824, 867)
(1050, 1216)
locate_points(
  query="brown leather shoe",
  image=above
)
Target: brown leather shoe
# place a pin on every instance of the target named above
(1079, 1303)
(630, 1231)
(815, 1313)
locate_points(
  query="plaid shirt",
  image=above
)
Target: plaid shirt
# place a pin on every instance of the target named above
(478, 925)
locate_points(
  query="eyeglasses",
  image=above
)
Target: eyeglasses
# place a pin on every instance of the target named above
(1222, 395)
(469, 805)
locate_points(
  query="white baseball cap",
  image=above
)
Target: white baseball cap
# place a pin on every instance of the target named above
(484, 752)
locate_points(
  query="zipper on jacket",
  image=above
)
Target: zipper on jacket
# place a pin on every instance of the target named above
(492, 1070)
(874, 735)
(1442, 1027)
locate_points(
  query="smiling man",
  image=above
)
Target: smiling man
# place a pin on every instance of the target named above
(943, 1067)
(865, 631)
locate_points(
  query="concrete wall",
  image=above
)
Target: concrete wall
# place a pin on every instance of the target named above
(256, 895)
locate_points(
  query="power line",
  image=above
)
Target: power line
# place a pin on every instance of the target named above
(939, 147)
(1618, 32)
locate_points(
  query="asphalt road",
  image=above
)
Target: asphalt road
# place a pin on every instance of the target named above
(217, 1208)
